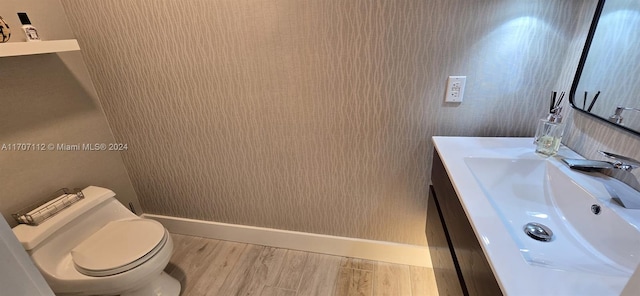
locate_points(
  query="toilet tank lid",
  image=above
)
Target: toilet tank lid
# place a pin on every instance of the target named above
(30, 236)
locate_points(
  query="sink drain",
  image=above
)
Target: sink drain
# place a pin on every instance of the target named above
(538, 231)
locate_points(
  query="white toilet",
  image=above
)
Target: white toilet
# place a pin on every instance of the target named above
(97, 246)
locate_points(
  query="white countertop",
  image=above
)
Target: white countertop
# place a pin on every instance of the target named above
(514, 275)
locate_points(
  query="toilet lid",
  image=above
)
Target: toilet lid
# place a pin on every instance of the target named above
(119, 246)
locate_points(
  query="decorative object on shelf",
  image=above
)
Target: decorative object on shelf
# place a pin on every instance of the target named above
(5, 32)
(29, 30)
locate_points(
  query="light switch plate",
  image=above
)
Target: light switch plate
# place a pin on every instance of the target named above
(455, 89)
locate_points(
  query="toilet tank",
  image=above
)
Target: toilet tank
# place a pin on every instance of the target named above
(74, 223)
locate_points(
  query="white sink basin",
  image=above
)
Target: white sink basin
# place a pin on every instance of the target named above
(547, 192)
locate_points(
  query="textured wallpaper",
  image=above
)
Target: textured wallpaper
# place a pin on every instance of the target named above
(312, 116)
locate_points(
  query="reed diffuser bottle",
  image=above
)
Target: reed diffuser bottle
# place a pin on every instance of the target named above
(550, 129)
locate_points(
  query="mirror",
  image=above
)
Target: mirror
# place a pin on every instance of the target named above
(607, 83)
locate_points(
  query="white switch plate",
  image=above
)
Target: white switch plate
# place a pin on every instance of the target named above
(455, 89)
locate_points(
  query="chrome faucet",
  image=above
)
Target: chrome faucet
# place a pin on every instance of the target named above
(627, 195)
(619, 162)
(617, 115)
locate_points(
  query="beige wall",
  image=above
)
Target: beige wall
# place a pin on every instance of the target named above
(305, 116)
(312, 116)
(50, 99)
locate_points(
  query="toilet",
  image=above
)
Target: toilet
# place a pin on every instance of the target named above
(96, 246)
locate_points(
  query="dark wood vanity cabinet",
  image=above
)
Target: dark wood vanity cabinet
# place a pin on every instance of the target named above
(458, 261)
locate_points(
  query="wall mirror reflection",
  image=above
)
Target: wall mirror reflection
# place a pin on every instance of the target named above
(607, 85)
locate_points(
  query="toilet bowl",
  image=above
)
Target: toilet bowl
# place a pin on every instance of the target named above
(97, 246)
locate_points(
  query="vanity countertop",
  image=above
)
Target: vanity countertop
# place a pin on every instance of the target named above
(514, 275)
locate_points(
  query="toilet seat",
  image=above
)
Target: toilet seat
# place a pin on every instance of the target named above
(119, 246)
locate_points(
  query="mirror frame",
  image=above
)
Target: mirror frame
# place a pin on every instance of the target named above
(583, 59)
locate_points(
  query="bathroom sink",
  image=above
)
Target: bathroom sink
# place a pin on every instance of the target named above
(590, 232)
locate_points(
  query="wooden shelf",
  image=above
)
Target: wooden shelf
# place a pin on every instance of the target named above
(38, 47)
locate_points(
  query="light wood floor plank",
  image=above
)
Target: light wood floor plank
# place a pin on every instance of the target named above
(391, 280)
(354, 282)
(264, 272)
(199, 252)
(182, 246)
(212, 267)
(423, 281)
(226, 255)
(292, 270)
(273, 291)
(357, 263)
(240, 277)
(319, 275)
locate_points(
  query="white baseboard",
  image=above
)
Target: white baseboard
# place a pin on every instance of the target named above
(309, 242)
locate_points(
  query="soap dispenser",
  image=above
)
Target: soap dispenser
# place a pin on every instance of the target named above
(549, 133)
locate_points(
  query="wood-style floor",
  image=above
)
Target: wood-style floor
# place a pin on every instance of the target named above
(214, 267)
